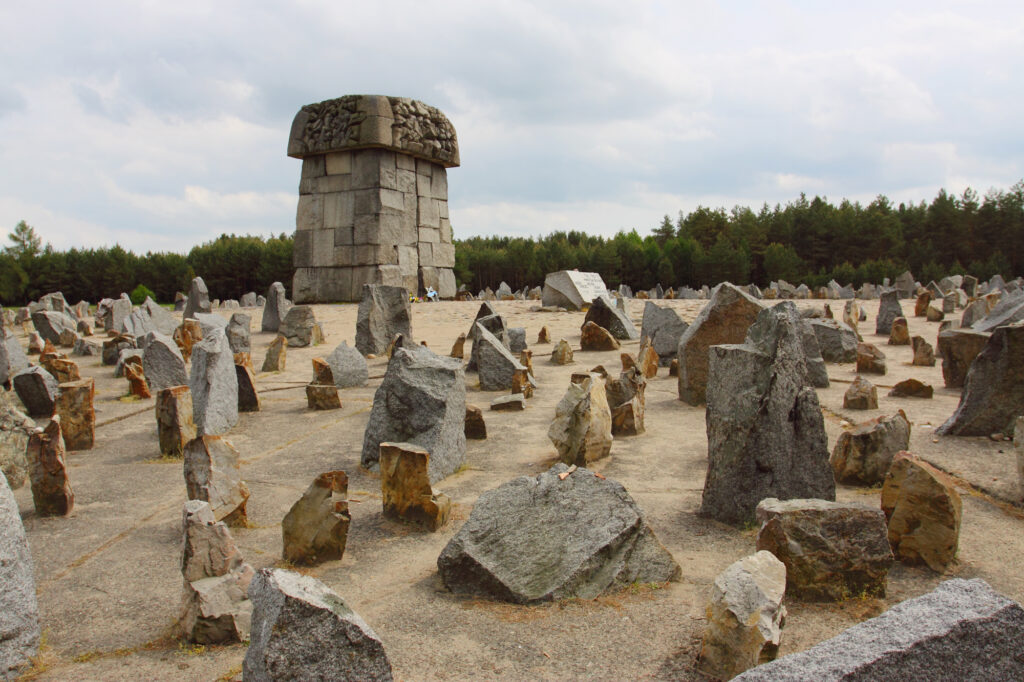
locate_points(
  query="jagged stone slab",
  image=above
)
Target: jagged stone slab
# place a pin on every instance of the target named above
(275, 308)
(725, 319)
(348, 366)
(302, 630)
(77, 414)
(48, 472)
(198, 299)
(993, 394)
(766, 434)
(496, 366)
(405, 487)
(51, 324)
(863, 455)
(19, 609)
(836, 340)
(214, 385)
(570, 289)
(15, 429)
(888, 310)
(248, 396)
(37, 390)
(604, 313)
(663, 327)
(277, 355)
(565, 533)
(175, 425)
(422, 400)
(301, 328)
(315, 529)
(962, 630)
(239, 333)
(162, 362)
(212, 475)
(861, 395)
(384, 311)
(582, 428)
(1009, 310)
(923, 510)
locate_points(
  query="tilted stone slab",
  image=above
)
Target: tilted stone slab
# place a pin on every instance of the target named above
(212, 475)
(315, 529)
(570, 289)
(384, 311)
(604, 313)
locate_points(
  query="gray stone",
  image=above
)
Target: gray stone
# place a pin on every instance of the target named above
(422, 400)
(962, 630)
(302, 630)
(301, 328)
(238, 333)
(565, 533)
(604, 313)
(517, 339)
(582, 428)
(86, 348)
(19, 610)
(1008, 310)
(496, 365)
(863, 455)
(384, 311)
(248, 300)
(663, 327)
(905, 285)
(993, 394)
(162, 362)
(348, 366)
(212, 475)
(214, 385)
(113, 313)
(275, 308)
(37, 390)
(570, 289)
(836, 340)
(12, 356)
(125, 356)
(198, 299)
(15, 429)
(210, 321)
(50, 324)
(766, 435)
(888, 310)
(974, 313)
(495, 324)
(817, 373)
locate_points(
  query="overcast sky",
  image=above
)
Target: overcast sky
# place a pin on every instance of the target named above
(159, 125)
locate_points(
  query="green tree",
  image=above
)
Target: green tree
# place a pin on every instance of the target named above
(25, 243)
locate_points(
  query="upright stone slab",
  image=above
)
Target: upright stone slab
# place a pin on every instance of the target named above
(962, 630)
(51, 489)
(174, 421)
(301, 328)
(50, 324)
(582, 428)
(604, 313)
(162, 362)
(923, 510)
(384, 311)
(15, 430)
(212, 475)
(348, 366)
(888, 310)
(564, 533)
(863, 455)
(422, 400)
(275, 308)
(198, 299)
(496, 365)
(663, 327)
(315, 529)
(19, 610)
(766, 434)
(958, 348)
(12, 356)
(405, 487)
(277, 354)
(37, 390)
(77, 414)
(214, 385)
(725, 319)
(373, 198)
(239, 334)
(570, 289)
(993, 394)
(302, 630)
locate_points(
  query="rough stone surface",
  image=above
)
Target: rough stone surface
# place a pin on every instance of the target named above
(870, 360)
(517, 339)
(405, 487)
(239, 334)
(836, 340)
(50, 324)
(48, 472)
(212, 475)
(174, 421)
(817, 372)
(275, 308)
(833, 551)
(888, 310)
(348, 366)
(570, 289)
(582, 428)
(1009, 310)
(277, 354)
(562, 353)
(911, 388)
(37, 390)
(214, 385)
(899, 333)
(627, 401)
(958, 348)
(12, 357)
(301, 630)
(923, 510)
(198, 299)
(863, 455)
(766, 434)
(565, 533)
(384, 311)
(422, 400)
(596, 338)
(993, 394)
(604, 313)
(861, 395)
(77, 414)
(924, 355)
(301, 328)
(744, 617)
(476, 428)
(962, 630)
(248, 396)
(322, 396)
(493, 323)
(725, 319)
(162, 362)
(15, 429)
(315, 529)
(19, 610)
(496, 366)
(663, 327)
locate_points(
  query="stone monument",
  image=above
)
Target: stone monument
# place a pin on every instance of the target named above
(373, 198)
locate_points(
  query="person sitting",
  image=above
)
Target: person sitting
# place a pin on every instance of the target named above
(431, 294)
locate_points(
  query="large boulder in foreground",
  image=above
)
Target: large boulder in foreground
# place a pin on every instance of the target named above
(993, 394)
(422, 400)
(302, 630)
(962, 630)
(725, 319)
(19, 610)
(923, 510)
(384, 311)
(565, 533)
(766, 434)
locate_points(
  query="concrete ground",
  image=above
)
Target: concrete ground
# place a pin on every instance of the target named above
(110, 587)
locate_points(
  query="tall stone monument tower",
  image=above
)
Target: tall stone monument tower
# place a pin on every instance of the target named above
(373, 198)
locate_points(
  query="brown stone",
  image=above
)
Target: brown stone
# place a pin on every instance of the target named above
(833, 551)
(596, 338)
(68, 338)
(459, 347)
(322, 372)
(582, 428)
(188, 334)
(175, 426)
(642, 295)
(315, 529)
(515, 402)
(899, 335)
(476, 429)
(870, 360)
(48, 350)
(277, 353)
(323, 397)
(828, 312)
(35, 343)
(526, 360)
(522, 383)
(627, 402)
(137, 385)
(212, 475)
(923, 509)
(861, 395)
(933, 314)
(248, 396)
(62, 369)
(911, 388)
(628, 360)
(958, 348)
(244, 358)
(48, 472)
(851, 316)
(647, 360)
(405, 487)
(673, 368)
(544, 336)
(924, 356)
(921, 305)
(863, 455)
(77, 414)
(562, 354)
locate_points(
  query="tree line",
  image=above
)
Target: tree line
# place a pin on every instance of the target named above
(809, 241)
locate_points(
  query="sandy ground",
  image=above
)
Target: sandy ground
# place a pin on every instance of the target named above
(110, 588)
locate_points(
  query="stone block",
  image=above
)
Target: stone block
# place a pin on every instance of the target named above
(365, 166)
(367, 201)
(405, 162)
(310, 212)
(392, 199)
(446, 229)
(439, 183)
(444, 254)
(336, 163)
(344, 236)
(405, 487)
(322, 248)
(339, 209)
(367, 229)
(346, 256)
(302, 249)
(427, 213)
(313, 166)
(430, 234)
(405, 179)
(426, 254)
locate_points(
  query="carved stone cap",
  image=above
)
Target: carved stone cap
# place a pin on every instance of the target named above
(374, 121)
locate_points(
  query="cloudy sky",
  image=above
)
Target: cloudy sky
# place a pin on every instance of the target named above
(159, 125)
